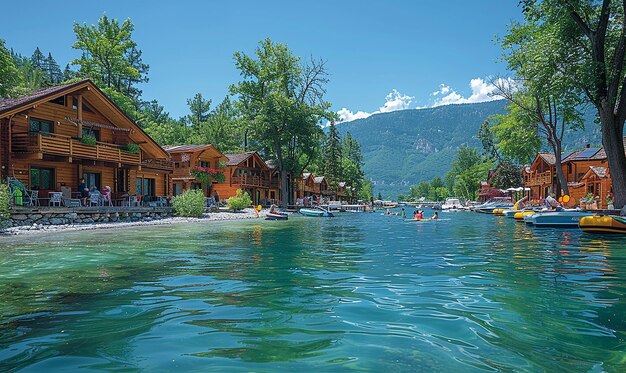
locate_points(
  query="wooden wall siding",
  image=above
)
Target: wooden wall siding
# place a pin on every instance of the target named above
(162, 181)
(575, 170)
(65, 174)
(4, 148)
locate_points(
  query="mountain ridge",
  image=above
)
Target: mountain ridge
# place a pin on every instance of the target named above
(404, 147)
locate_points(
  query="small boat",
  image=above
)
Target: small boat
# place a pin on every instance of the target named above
(488, 207)
(319, 212)
(452, 204)
(562, 219)
(603, 224)
(276, 216)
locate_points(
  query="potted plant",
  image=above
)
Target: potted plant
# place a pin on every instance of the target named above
(131, 148)
(88, 140)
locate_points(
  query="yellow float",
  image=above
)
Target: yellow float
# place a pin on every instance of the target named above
(498, 212)
(519, 216)
(603, 224)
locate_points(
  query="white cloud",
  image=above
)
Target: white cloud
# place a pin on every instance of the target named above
(393, 101)
(482, 91)
(346, 115)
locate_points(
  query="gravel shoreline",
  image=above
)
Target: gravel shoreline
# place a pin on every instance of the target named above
(214, 216)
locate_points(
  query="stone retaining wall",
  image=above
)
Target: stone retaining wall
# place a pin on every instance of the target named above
(26, 218)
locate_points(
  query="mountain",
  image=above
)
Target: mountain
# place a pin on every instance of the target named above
(404, 147)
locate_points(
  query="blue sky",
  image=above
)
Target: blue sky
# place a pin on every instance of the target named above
(382, 55)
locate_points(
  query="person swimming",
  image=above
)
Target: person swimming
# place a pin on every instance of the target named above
(435, 216)
(419, 215)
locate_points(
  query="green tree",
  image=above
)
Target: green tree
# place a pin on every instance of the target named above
(507, 175)
(281, 100)
(589, 39)
(333, 164)
(199, 109)
(110, 57)
(53, 72)
(9, 78)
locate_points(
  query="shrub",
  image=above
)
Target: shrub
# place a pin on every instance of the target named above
(131, 148)
(88, 140)
(189, 204)
(5, 197)
(240, 201)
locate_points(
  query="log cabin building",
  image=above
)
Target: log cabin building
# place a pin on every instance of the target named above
(188, 158)
(55, 136)
(246, 171)
(585, 170)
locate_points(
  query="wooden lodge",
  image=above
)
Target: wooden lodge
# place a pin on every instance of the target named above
(47, 143)
(585, 170)
(187, 160)
(246, 171)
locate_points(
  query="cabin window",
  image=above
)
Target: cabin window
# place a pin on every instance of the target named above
(205, 164)
(42, 178)
(59, 101)
(569, 168)
(146, 187)
(92, 180)
(178, 189)
(176, 164)
(92, 132)
(122, 180)
(39, 125)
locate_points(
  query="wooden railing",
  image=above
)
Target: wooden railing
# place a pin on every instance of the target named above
(251, 181)
(544, 178)
(161, 164)
(50, 143)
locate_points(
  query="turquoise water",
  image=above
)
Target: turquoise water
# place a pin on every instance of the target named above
(359, 292)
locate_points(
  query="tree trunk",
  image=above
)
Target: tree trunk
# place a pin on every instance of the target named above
(283, 188)
(562, 182)
(613, 142)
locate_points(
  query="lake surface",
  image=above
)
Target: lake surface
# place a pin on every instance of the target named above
(360, 292)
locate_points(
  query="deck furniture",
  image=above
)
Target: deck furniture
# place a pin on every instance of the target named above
(34, 198)
(56, 198)
(95, 198)
(71, 202)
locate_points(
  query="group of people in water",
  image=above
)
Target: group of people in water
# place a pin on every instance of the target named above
(417, 214)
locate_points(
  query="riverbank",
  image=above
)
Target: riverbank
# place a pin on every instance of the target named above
(207, 217)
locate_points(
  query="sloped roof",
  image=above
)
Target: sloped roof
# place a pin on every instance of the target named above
(186, 148)
(237, 159)
(7, 104)
(600, 171)
(318, 179)
(306, 175)
(90, 91)
(548, 157)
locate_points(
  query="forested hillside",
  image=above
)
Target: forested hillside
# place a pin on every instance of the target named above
(402, 148)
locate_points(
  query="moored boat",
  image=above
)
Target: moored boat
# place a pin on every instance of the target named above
(562, 219)
(603, 224)
(316, 212)
(488, 207)
(452, 204)
(276, 216)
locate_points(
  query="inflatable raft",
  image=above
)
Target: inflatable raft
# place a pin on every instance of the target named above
(603, 224)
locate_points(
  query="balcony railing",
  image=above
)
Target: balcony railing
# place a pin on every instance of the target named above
(254, 181)
(51, 143)
(544, 178)
(160, 164)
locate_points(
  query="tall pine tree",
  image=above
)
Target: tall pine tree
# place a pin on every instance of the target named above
(332, 167)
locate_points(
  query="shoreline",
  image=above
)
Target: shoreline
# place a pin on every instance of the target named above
(206, 217)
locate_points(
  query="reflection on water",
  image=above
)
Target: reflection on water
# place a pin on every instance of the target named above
(360, 291)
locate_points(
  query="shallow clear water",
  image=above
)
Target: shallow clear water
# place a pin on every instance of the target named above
(361, 292)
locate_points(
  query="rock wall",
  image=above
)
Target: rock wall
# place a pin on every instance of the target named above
(24, 218)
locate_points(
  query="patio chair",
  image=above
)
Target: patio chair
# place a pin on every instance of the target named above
(34, 198)
(56, 198)
(95, 198)
(19, 194)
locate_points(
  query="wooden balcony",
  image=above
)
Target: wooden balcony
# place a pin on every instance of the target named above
(544, 178)
(54, 144)
(250, 181)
